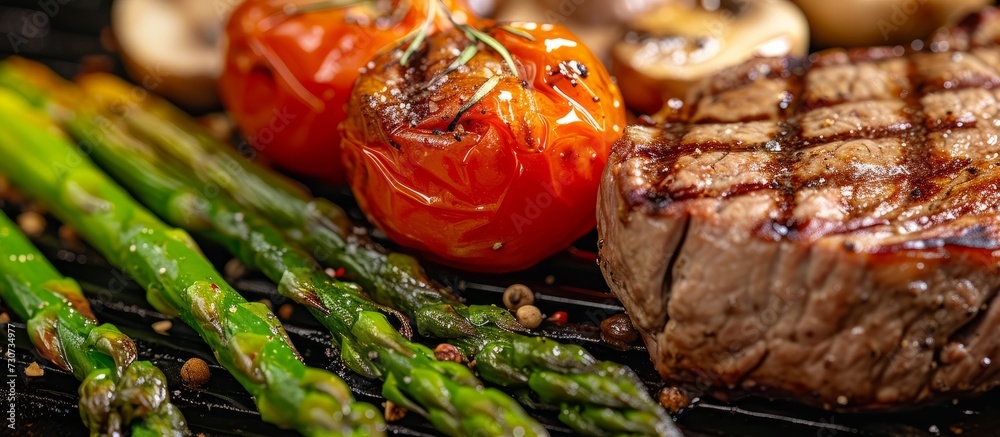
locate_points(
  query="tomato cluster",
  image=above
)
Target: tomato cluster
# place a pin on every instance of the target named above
(479, 143)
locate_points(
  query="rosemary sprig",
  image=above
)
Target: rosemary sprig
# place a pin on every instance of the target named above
(483, 90)
(420, 33)
(475, 37)
(518, 32)
(483, 37)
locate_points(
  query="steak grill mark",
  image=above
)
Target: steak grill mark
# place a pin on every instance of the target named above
(895, 130)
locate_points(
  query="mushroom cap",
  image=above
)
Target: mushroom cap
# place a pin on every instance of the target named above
(673, 46)
(857, 23)
(173, 48)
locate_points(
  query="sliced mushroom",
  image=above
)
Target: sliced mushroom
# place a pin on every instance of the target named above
(598, 23)
(173, 47)
(855, 23)
(673, 46)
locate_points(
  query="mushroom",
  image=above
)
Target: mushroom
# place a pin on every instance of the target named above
(483, 8)
(855, 23)
(173, 47)
(673, 46)
(598, 23)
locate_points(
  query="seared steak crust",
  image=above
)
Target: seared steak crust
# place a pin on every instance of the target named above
(825, 231)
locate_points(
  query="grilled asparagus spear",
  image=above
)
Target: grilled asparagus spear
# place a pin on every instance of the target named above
(445, 392)
(596, 398)
(117, 392)
(246, 337)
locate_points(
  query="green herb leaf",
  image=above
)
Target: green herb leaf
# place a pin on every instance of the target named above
(484, 90)
(477, 35)
(493, 44)
(518, 32)
(464, 57)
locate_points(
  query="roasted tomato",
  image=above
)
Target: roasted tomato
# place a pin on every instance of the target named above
(482, 164)
(290, 67)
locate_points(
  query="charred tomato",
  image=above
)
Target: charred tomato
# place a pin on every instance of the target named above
(484, 147)
(290, 67)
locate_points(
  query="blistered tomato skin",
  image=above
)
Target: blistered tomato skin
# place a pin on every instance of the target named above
(289, 72)
(514, 179)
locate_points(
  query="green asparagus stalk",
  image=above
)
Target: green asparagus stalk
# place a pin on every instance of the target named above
(246, 337)
(117, 392)
(445, 392)
(596, 398)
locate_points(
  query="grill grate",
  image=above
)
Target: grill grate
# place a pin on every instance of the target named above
(569, 282)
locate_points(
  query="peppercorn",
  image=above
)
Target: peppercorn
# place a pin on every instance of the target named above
(393, 412)
(529, 316)
(31, 223)
(68, 235)
(195, 372)
(618, 330)
(448, 352)
(162, 326)
(517, 296)
(285, 311)
(34, 369)
(673, 399)
(234, 270)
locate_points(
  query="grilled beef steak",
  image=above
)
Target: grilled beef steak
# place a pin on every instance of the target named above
(826, 232)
